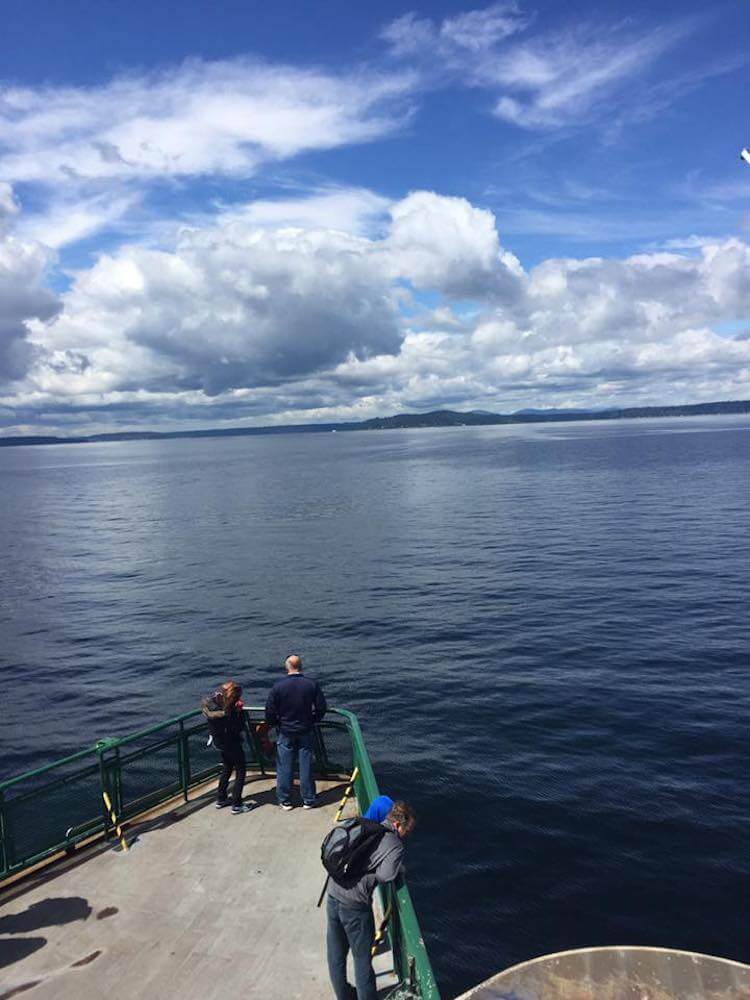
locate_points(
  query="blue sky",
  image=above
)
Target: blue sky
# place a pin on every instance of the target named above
(331, 211)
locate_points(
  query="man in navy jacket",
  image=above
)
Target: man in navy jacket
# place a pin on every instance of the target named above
(295, 704)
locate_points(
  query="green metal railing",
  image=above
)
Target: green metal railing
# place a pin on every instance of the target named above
(52, 809)
(409, 953)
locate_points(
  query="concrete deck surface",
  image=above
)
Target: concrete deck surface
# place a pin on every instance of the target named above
(204, 905)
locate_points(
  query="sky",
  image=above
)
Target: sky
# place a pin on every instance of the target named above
(239, 214)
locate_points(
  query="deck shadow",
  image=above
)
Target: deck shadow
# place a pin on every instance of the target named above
(268, 797)
(135, 830)
(14, 949)
(54, 911)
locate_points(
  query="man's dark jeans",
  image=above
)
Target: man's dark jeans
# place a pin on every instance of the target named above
(287, 747)
(349, 928)
(232, 759)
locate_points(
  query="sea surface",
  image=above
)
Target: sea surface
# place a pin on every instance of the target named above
(545, 630)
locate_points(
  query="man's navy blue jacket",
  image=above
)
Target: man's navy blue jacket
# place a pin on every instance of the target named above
(295, 703)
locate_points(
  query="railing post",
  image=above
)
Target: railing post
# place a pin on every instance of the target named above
(254, 741)
(320, 750)
(183, 757)
(104, 787)
(114, 793)
(118, 783)
(6, 856)
(412, 964)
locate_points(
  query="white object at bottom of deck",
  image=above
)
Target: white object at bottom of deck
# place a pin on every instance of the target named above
(626, 972)
(204, 905)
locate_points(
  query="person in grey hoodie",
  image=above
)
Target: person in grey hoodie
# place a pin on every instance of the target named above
(350, 923)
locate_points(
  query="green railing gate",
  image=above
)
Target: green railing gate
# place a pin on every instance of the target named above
(52, 809)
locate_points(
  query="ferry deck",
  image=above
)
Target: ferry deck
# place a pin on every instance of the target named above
(204, 904)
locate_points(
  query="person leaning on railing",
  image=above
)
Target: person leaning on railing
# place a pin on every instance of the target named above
(223, 712)
(350, 923)
(379, 808)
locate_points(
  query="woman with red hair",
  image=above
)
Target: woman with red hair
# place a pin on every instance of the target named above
(223, 710)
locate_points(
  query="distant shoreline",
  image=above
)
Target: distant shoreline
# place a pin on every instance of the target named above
(435, 418)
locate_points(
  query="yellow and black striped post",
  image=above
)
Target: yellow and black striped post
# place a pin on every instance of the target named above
(381, 930)
(114, 821)
(347, 793)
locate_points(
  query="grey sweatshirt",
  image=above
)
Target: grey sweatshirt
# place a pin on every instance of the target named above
(384, 866)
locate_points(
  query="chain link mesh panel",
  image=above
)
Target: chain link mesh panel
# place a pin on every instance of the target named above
(205, 761)
(334, 749)
(51, 814)
(148, 775)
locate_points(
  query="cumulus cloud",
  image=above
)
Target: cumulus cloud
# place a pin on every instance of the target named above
(597, 328)
(22, 298)
(263, 323)
(450, 245)
(589, 332)
(646, 296)
(234, 306)
(8, 206)
(22, 295)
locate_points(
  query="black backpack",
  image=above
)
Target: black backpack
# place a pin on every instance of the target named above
(216, 719)
(347, 849)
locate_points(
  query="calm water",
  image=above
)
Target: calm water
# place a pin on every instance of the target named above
(544, 629)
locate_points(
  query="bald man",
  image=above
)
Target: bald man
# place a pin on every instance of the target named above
(295, 704)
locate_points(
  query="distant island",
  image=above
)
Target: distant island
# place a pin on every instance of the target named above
(435, 418)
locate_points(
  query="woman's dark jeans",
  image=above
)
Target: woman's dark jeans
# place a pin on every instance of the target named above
(350, 928)
(233, 759)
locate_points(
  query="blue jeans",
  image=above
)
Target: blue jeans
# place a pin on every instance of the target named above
(355, 929)
(286, 748)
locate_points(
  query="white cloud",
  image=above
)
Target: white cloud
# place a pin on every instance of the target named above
(449, 245)
(561, 79)
(589, 332)
(472, 32)
(8, 206)
(554, 79)
(351, 210)
(233, 306)
(83, 158)
(67, 220)
(409, 35)
(263, 323)
(22, 298)
(479, 30)
(221, 118)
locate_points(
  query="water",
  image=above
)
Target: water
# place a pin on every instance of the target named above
(544, 630)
